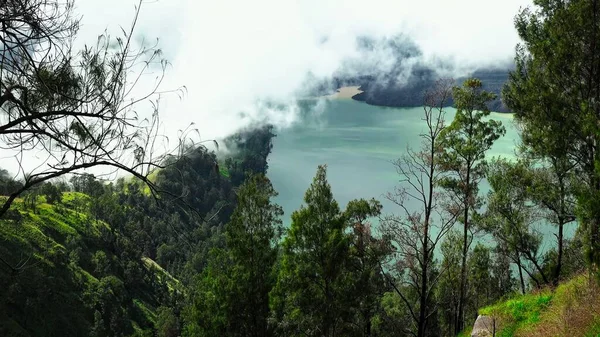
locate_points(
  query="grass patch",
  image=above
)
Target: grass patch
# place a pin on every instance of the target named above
(570, 310)
(75, 198)
(163, 275)
(147, 312)
(519, 313)
(465, 333)
(224, 172)
(594, 329)
(575, 311)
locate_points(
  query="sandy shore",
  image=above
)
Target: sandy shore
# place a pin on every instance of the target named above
(345, 92)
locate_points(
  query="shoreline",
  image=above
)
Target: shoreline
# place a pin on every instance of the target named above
(345, 92)
(350, 92)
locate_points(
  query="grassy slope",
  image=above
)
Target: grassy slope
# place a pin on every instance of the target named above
(572, 309)
(41, 239)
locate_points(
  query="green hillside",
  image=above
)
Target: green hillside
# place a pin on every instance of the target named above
(572, 309)
(91, 258)
(67, 280)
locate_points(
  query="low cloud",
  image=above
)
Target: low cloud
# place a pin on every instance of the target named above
(244, 62)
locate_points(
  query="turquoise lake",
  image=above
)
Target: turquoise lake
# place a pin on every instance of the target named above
(357, 142)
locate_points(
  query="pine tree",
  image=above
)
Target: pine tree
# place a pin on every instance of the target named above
(554, 92)
(233, 293)
(367, 253)
(313, 285)
(466, 140)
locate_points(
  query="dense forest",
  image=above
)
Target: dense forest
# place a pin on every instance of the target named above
(189, 242)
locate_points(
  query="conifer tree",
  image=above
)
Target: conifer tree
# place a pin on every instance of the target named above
(313, 285)
(233, 294)
(466, 140)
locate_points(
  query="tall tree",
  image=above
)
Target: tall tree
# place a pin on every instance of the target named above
(484, 281)
(416, 233)
(481, 281)
(466, 141)
(366, 255)
(312, 285)
(252, 238)
(554, 92)
(233, 295)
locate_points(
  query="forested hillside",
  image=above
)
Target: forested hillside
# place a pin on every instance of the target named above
(86, 257)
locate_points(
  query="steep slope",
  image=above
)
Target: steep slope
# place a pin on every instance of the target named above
(103, 259)
(570, 310)
(67, 278)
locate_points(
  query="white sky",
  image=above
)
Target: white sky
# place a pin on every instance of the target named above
(231, 55)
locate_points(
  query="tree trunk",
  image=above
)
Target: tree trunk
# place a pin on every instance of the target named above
(595, 222)
(521, 274)
(463, 267)
(423, 299)
(424, 282)
(560, 253)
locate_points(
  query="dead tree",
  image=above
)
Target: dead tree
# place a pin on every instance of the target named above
(424, 220)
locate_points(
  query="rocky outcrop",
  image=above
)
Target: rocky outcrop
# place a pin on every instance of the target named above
(485, 326)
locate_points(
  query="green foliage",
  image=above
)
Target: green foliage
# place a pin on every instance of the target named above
(250, 149)
(86, 262)
(167, 324)
(465, 333)
(308, 298)
(394, 318)
(329, 280)
(510, 219)
(551, 92)
(61, 287)
(519, 312)
(231, 295)
(465, 142)
(448, 292)
(87, 184)
(486, 279)
(52, 193)
(366, 256)
(8, 185)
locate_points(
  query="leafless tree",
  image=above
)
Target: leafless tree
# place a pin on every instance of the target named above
(79, 109)
(417, 231)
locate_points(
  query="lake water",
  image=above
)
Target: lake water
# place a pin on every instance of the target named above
(357, 141)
